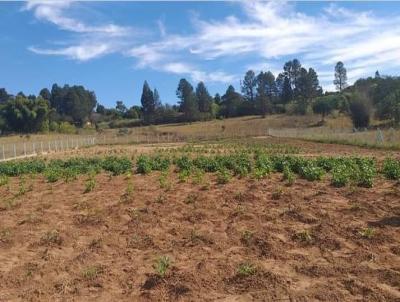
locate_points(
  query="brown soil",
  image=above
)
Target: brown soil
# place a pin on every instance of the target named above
(307, 242)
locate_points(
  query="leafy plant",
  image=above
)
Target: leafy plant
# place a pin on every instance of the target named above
(246, 269)
(223, 176)
(162, 265)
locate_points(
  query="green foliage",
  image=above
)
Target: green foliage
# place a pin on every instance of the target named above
(223, 176)
(341, 175)
(117, 165)
(391, 169)
(288, 175)
(24, 115)
(3, 180)
(246, 269)
(143, 164)
(162, 265)
(311, 172)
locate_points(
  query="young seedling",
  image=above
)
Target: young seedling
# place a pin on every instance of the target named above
(162, 265)
(367, 233)
(246, 269)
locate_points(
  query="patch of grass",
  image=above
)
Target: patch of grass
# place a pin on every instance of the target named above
(223, 176)
(90, 184)
(304, 236)
(246, 269)
(247, 236)
(162, 265)
(367, 233)
(92, 272)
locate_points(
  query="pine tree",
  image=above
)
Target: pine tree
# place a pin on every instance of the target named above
(148, 103)
(249, 86)
(188, 101)
(203, 97)
(340, 76)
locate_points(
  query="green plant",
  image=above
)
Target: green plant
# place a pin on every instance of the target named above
(288, 175)
(92, 272)
(90, 184)
(246, 269)
(223, 176)
(164, 182)
(183, 175)
(341, 175)
(311, 172)
(162, 265)
(304, 236)
(247, 236)
(367, 233)
(391, 169)
(4, 180)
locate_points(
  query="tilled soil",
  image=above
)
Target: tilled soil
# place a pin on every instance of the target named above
(306, 242)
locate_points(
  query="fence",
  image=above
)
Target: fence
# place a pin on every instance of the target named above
(25, 149)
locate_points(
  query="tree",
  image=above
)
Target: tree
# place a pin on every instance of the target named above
(26, 116)
(324, 106)
(188, 102)
(231, 101)
(157, 100)
(148, 103)
(121, 108)
(100, 109)
(45, 94)
(392, 104)
(249, 86)
(203, 98)
(266, 91)
(377, 74)
(73, 103)
(292, 71)
(307, 88)
(3, 95)
(217, 99)
(340, 76)
(360, 111)
(286, 92)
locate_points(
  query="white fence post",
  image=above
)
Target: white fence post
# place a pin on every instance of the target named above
(15, 151)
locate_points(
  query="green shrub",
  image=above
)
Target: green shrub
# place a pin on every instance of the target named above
(391, 169)
(311, 172)
(143, 164)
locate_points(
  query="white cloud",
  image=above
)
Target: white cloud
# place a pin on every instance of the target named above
(269, 32)
(93, 41)
(80, 53)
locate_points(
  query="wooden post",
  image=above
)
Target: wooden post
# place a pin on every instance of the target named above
(15, 151)
(4, 154)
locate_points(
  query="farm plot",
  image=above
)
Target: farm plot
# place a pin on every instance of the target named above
(214, 222)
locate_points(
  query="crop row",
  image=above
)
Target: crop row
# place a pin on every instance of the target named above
(343, 170)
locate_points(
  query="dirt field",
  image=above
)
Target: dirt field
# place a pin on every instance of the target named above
(247, 240)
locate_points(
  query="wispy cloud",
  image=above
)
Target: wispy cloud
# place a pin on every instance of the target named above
(93, 40)
(268, 32)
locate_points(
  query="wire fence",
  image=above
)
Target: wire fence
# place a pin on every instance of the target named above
(26, 149)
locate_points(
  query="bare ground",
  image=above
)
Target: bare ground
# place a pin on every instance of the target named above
(307, 242)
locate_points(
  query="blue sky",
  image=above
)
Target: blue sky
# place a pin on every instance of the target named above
(112, 47)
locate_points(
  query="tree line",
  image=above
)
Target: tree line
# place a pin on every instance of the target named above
(295, 90)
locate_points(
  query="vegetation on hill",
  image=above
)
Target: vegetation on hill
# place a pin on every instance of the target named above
(294, 91)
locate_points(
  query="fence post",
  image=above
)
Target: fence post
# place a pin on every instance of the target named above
(41, 147)
(15, 151)
(4, 154)
(48, 143)
(33, 148)
(24, 149)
